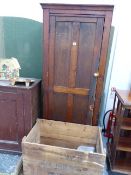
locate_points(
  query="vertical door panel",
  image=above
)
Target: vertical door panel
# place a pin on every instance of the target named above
(85, 54)
(88, 62)
(59, 107)
(80, 110)
(62, 53)
(59, 63)
(84, 73)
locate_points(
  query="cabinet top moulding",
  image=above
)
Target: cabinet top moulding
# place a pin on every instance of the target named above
(94, 7)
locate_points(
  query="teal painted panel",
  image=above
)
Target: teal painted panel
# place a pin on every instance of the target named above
(2, 45)
(23, 40)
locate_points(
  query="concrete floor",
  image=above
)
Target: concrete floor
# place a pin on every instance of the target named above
(8, 162)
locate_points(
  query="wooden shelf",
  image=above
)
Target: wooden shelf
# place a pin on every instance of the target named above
(126, 124)
(122, 166)
(124, 144)
(119, 148)
(125, 98)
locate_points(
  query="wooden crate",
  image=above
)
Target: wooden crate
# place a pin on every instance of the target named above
(51, 149)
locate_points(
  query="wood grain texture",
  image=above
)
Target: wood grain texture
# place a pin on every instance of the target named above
(51, 69)
(124, 144)
(68, 131)
(45, 61)
(77, 19)
(19, 108)
(80, 7)
(126, 124)
(122, 166)
(125, 97)
(58, 155)
(76, 49)
(67, 90)
(73, 68)
(120, 145)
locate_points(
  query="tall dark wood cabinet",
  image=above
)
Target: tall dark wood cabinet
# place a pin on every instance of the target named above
(75, 48)
(19, 108)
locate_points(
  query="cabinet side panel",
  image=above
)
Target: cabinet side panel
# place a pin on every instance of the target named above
(8, 117)
(11, 125)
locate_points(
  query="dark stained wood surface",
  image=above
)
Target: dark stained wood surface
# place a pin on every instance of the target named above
(71, 90)
(102, 64)
(119, 147)
(19, 108)
(126, 124)
(86, 7)
(45, 67)
(75, 48)
(11, 117)
(125, 97)
(124, 144)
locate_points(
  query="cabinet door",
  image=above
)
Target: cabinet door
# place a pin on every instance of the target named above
(11, 121)
(74, 53)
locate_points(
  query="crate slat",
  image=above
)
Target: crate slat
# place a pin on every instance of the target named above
(48, 150)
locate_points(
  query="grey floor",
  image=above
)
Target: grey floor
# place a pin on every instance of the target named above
(8, 162)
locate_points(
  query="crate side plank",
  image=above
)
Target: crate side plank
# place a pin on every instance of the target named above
(66, 130)
(54, 168)
(44, 151)
(49, 149)
(66, 143)
(34, 134)
(99, 143)
(77, 141)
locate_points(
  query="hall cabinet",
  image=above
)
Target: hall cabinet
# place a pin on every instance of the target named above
(75, 48)
(19, 108)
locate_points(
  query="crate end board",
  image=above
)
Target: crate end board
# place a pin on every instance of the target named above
(51, 146)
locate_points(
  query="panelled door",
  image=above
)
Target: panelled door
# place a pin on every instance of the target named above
(74, 53)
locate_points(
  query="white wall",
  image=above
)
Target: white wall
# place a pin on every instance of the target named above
(31, 8)
(21, 8)
(121, 71)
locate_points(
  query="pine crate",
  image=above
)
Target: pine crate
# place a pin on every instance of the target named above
(51, 149)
